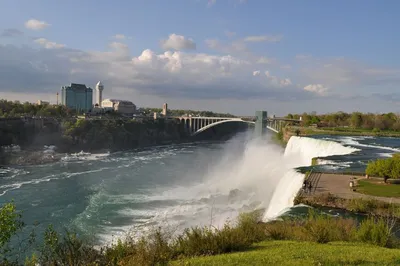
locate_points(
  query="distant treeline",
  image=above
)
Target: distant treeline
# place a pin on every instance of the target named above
(368, 121)
(186, 112)
(18, 109)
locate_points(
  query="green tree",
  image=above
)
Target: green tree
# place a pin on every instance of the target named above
(10, 224)
(356, 119)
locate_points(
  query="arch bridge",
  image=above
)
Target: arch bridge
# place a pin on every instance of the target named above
(197, 124)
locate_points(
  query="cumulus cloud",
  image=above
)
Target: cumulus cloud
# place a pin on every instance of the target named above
(169, 74)
(277, 81)
(263, 38)
(316, 88)
(178, 42)
(11, 33)
(348, 76)
(256, 73)
(34, 24)
(49, 44)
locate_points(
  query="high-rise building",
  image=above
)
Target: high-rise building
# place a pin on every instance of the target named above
(99, 93)
(77, 96)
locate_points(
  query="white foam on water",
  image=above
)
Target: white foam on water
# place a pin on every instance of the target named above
(256, 174)
(352, 141)
(84, 156)
(385, 155)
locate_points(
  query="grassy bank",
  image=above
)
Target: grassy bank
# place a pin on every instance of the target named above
(248, 236)
(357, 205)
(377, 187)
(303, 253)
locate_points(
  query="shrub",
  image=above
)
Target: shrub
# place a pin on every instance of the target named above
(375, 231)
(322, 228)
(151, 250)
(67, 249)
(10, 224)
(281, 230)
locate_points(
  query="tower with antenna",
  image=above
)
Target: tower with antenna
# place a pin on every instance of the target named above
(99, 93)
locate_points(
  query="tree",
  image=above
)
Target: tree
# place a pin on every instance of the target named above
(10, 224)
(386, 168)
(356, 120)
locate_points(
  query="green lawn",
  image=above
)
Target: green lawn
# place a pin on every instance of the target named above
(303, 253)
(377, 188)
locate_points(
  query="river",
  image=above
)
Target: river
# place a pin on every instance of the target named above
(106, 196)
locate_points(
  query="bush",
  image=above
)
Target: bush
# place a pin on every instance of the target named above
(318, 228)
(386, 168)
(10, 224)
(209, 241)
(322, 228)
(376, 232)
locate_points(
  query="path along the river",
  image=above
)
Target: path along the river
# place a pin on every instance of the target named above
(339, 185)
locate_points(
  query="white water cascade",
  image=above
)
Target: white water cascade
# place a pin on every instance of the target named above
(299, 152)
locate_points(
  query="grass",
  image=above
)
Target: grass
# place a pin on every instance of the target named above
(300, 238)
(378, 188)
(303, 253)
(357, 205)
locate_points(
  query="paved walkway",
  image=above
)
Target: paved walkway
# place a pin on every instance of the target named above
(339, 185)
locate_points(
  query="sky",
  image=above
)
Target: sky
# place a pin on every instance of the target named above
(235, 56)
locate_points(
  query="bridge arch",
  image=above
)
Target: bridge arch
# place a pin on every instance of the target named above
(213, 124)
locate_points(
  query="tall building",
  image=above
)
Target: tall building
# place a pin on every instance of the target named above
(99, 93)
(77, 96)
(165, 109)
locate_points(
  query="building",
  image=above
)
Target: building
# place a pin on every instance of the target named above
(99, 93)
(120, 106)
(40, 102)
(165, 109)
(77, 96)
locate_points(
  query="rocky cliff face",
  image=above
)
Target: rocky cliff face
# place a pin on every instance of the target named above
(91, 135)
(71, 136)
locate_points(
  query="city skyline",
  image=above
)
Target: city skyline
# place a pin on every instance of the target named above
(233, 56)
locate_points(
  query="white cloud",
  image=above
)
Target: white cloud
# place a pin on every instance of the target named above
(285, 82)
(166, 75)
(35, 24)
(119, 36)
(48, 44)
(263, 38)
(178, 42)
(256, 73)
(316, 88)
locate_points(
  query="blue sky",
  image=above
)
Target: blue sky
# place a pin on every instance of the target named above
(287, 55)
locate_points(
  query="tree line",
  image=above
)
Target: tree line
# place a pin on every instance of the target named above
(181, 112)
(367, 121)
(10, 109)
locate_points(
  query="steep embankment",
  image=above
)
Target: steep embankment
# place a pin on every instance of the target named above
(71, 135)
